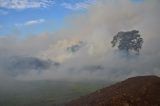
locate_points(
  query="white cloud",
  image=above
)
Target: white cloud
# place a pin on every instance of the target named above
(31, 22)
(23, 4)
(78, 5)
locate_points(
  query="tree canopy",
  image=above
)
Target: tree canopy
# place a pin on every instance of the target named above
(128, 41)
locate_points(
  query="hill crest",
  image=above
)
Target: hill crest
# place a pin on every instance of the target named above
(135, 91)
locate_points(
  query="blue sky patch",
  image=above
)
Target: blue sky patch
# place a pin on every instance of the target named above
(37, 16)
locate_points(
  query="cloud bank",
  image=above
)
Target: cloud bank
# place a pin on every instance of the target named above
(24, 4)
(83, 50)
(79, 5)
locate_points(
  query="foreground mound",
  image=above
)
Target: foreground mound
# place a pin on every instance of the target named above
(136, 91)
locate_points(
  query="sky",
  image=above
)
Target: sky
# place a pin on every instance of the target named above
(30, 17)
(37, 16)
(70, 39)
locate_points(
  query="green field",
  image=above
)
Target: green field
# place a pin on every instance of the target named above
(45, 93)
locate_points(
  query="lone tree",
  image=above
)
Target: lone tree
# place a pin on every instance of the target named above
(130, 41)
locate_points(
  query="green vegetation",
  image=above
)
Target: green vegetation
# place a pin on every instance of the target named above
(45, 93)
(128, 41)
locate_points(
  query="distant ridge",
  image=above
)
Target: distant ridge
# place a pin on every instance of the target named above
(136, 91)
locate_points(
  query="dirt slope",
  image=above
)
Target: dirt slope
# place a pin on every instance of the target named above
(136, 91)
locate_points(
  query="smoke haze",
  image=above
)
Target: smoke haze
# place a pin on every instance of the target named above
(83, 50)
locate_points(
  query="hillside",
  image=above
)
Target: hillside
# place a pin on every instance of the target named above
(136, 91)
